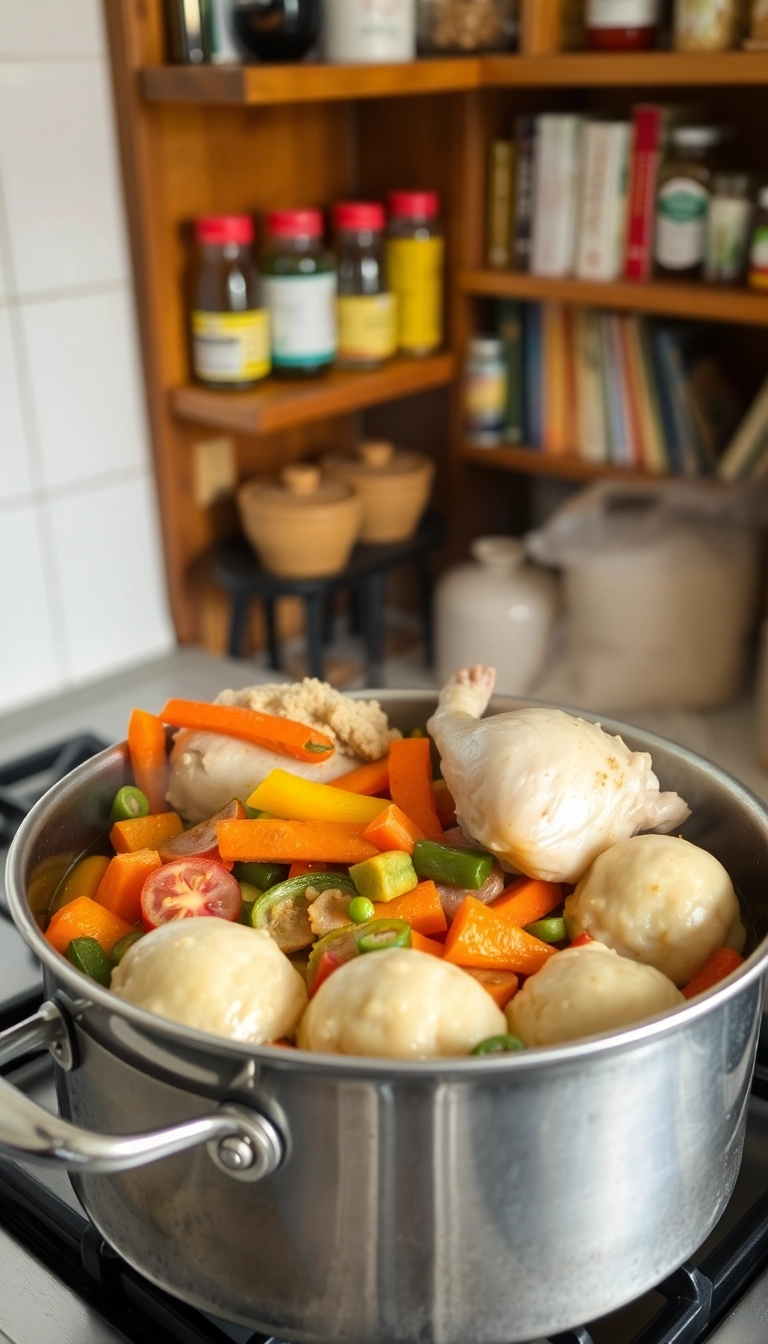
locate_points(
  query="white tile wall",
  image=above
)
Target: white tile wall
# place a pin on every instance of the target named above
(80, 563)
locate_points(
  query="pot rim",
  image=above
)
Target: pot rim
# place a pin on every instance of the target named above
(86, 991)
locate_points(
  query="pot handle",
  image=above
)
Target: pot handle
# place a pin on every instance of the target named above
(241, 1142)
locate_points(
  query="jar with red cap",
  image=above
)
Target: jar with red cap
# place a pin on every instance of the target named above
(299, 284)
(366, 306)
(415, 255)
(230, 324)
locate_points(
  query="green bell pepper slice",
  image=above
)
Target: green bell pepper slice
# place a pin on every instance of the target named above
(282, 910)
(89, 956)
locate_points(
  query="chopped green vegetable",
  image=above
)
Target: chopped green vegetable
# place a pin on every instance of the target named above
(89, 956)
(550, 930)
(318, 748)
(121, 946)
(129, 803)
(361, 910)
(254, 813)
(261, 875)
(498, 1045)
(250, 895)
(382, 934)
(282, 910)
(466, 868)
(384, 877)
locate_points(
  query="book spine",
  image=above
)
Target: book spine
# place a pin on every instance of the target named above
(554, 379)
(556, 174)
(593, 242)
(499, 209)
(632, 393)
(647, 136)
(511, 333)
(661, 456)
(619, 453)
(591, 440)
(672, 441)
(525, 146)
(532, 367)
(571, 431)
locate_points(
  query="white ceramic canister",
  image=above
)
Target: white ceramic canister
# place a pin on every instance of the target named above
(498, 611)
(359, 31)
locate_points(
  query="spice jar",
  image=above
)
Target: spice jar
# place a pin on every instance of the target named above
(758, 251)
(758, 25)
(277, 30)
(394, 488)
(414, 255)
(369, 30)
(299, 284)
(466, 25)
(682, 203)
(230, 324)
(707, 25)
(485, 391)
(622, 25)
(301, 525)
(367, 309)
(728, 228)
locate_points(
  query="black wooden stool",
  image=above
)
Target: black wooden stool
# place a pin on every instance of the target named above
(237, 569)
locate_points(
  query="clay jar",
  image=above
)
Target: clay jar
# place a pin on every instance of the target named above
(394, 488)
(301, 525)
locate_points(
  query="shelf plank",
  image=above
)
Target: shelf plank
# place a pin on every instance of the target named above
(656, 69)
(278, 405)
(260, 85)
(534, 462)
(713, 303)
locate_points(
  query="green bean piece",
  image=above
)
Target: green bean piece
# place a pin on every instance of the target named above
(361, 910)
(121, 946)
(550, 930)
(466, 868)
(255, 813)
(383, 934)
(129, 803)
(90, 958)
(250, 895)
(261, 875)
(498, 1045)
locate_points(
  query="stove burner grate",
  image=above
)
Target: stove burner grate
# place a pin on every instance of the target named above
(24, 781)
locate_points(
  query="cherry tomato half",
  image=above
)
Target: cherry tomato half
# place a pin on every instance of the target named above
(190, 887)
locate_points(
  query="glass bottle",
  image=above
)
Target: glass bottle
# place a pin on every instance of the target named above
(728, 228)
(367, 309)
(466, 25)
(706, 25)
(622, 25)
(299, 284)
(230, 325)
(758, 251)
(415, 254)
(682, 202)
(485, 391)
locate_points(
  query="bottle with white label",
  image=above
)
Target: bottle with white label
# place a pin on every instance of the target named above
(299, 284)
(230, 325)
(363, 31)
(683, 202)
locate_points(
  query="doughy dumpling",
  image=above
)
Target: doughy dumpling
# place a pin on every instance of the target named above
(660, 900)
(586, 990)
(216, 976)
(399, 1004)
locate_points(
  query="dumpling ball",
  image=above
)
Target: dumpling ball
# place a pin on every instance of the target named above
(586, 990)
(222, 978)
(660, 900)
(399, 1004)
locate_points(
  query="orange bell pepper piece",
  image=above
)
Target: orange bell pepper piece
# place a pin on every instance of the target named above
(501, 985)
(420, 908)
(84, 918)
(149, 758)
(527, 899)
(721, 964)
(428, 945)
(285, 736)
(393, 830)
(145, 832)
(371, 778)
(120, 887)
(410, 783)
(263, 841)
(481, 938)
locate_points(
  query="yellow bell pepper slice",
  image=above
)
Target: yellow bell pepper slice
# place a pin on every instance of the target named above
(293, 799)
(83, 880)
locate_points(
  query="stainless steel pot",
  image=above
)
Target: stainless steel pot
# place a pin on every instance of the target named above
(318, 1198)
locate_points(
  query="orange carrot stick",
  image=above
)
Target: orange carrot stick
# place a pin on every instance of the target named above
(421, 944)
(84, 918)
(723, 962)
(284, 736)
(527, 900)
(420, 908)
(149, 758)
(480, 938)
(371, 778)
(393, 830)
(263, 841)
(145, 832)
(120, 887)
(410, 783)
(501, 985)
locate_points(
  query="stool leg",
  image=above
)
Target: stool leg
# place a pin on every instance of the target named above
(424, 580)
(329, 617)
(237, 624)
(313, 607)
(273, 647)
(373, 619)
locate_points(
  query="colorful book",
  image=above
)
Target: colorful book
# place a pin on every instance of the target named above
(556, 178)
(654, 458)
(499, 206)
(674, 447)
(510, 324)
(630, 393)
(525, 145)
(603, 201)
(571, 385)
(618, 433)
(748, 445)
(592, 434)
(672, 369)
(555, 386)
(648, 131)
(533, 379)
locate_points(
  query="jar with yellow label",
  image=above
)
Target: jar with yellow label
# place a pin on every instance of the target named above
(415, 256)
(367, 308)
(230, 326)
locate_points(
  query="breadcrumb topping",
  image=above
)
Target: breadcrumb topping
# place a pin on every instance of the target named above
(356, 727)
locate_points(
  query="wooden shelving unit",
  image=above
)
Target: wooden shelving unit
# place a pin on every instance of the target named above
(566, 466)
(265, 85)
(637, 70)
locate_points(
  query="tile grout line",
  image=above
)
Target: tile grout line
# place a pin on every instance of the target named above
(16, 58)
(86, 485)
(60, 294)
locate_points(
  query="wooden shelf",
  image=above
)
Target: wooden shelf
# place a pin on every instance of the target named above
(259, 85)
(535, 462)
(709, 302)
(278, 405)
(655, 69)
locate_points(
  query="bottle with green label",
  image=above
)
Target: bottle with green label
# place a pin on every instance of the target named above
(758, 251)
(683, 201)
(299, 280)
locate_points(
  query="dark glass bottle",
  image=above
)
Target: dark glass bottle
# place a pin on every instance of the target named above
(230, 326)
(277, 30)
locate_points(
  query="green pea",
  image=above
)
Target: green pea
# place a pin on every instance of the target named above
(121, 946)
(129, 803)
(361, 909)
(89, 956)
(382, 934)
(550, 930)
(498, 1045)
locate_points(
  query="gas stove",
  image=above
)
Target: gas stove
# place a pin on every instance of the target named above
(61, 1284)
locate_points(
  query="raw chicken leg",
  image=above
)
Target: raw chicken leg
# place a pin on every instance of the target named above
(545, 791)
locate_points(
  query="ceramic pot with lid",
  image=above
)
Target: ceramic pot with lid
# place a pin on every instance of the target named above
(498, 610)
(394, 488)
(301, 525)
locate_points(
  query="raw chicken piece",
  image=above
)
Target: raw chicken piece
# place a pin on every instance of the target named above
(544, 790)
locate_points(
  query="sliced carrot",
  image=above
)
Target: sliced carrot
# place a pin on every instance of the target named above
(527, 900)
(284, 736)
(145, 832)
(82, 880)
(724, 962)
(444, 802)
(393, 830)
(371, 778)
(149, 757)
(120, 887)
(285, 841)
(85, 918)
(501, 985)
(481, 938)
(421, 944)
(420, 908)
(410, 783)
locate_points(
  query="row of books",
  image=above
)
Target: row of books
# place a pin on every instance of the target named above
(610, 388)
(574, 196)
